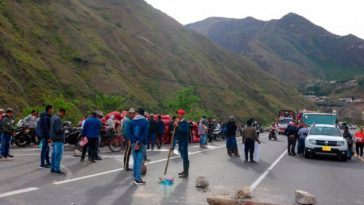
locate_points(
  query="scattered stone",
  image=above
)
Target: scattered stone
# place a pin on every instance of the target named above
(144, 170)
(201, 182)
(245, 193)
(77, 153)
(222, 201)
(305, 198)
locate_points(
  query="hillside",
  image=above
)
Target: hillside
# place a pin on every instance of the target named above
(292, 48)
(80, 48)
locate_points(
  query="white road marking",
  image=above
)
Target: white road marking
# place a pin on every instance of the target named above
(261, 177)
(20, 191)
(117, 170)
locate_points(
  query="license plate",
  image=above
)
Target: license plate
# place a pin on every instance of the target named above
(326, 149)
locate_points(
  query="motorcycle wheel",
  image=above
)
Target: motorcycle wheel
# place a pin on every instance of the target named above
(116, 144)
(219, 137)
(21, 140)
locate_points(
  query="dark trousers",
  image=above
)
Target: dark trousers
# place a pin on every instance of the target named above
(127, 154)
(292, 145)
(159, 140)
(183, 145)
(249, 149)
(92, 147)
(359, 148)
(44, 154)
(5, 144)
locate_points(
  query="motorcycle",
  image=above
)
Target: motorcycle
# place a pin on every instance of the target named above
(72, 134)
(110, 139)
(22, 137)
(218, 135)
(273, 134)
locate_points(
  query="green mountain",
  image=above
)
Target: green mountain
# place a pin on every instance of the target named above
(81, 48)
(292, 48)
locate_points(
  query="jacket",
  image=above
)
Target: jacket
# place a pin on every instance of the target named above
(250, 133)
(231, 129)
(201, 129)
(44, 126)
(56, 131)
(153, 125)
(160, 127)
(91, 128)
(359, 137)
(138, 130)
(291, 130)
(8, 125)
(348, 137)
(183, 131)
(126, 127)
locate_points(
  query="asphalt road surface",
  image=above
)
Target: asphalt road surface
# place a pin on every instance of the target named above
(274, 178)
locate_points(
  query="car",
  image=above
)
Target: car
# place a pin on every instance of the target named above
(282, 124)
(325, 139)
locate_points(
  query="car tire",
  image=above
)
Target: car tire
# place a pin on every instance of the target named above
(344, 158)
(307, 155)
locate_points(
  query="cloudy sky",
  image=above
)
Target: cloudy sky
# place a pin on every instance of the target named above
(338, 16)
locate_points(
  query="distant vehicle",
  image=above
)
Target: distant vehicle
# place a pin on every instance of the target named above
(342, 125)
(287, 114)
(282, 124)
(353, 127)
(319, 118)
(326, 139)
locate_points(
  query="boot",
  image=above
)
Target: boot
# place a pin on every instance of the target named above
(186, 166)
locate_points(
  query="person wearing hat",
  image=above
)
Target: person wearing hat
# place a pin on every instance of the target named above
(292, 133)
(8, 129)
(91, 130)
(126, 133)
(182, 134)
(138, 133)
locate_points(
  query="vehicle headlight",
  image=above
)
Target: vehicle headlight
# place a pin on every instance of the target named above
(312, 141)
(340, 143)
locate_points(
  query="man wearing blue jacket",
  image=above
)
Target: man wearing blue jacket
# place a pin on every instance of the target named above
(126, 127)
(58, 139)
(91, 130)
(43, 132)
(182, 135)
(138, 133)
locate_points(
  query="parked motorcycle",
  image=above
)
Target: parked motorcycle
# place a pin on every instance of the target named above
(218, 135)
(72, 134)
(110, 139)
(273, 133)
(22, 137)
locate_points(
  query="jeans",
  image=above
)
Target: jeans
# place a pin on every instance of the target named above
(249, 149)
(183, 146)
(359, 148)
(301, 145)
(203, 140)
(138, 156)
(127, 154)
(57, 156)
(5, 144)
(231, 145)
(44, 154)
(292, 145)
(151, 139)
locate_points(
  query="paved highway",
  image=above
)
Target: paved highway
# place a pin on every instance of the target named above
(274, 178)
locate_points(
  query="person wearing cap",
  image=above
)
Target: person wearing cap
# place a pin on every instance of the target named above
(138, 133)
(292, 133)
(91, 130)
(58, 140)
(43, 132)
(182, 134)
(349, 139)
(8, 129)
(126, 126)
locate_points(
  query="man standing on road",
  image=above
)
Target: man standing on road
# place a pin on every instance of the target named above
(43, 132)
(349, 139)
(8, 129)
(138, 133)
(182, 135)
(1, 119)
(153, 129)
(30, 121)
(250, 136)
(291, 133)
(91, 130)
(302, 134)
(58, 139)
(160, 131)
(126, 126)
(231, 145)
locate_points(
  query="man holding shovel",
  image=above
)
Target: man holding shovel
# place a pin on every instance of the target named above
(182, 134)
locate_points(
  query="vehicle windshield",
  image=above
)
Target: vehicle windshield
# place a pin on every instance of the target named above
(329, 131)
(310, 119)
(284, 121)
